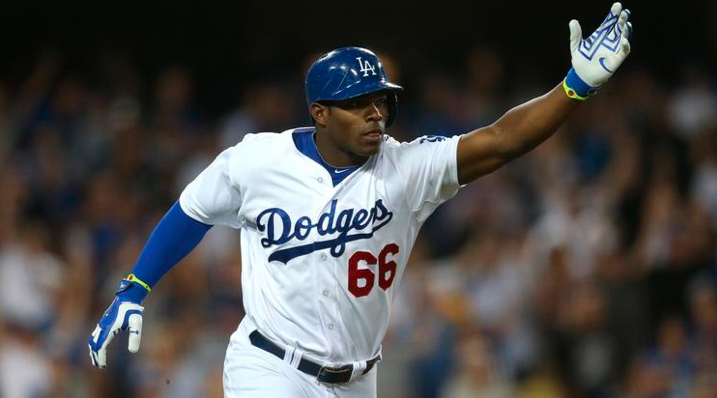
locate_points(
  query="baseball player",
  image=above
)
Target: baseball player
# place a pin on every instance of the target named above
(329, 215)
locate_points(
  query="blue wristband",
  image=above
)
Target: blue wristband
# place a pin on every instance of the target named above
(131, 291)
(574, 83)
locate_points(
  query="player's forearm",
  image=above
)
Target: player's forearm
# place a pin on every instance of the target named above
(173, 238)
(521, 129)
(524, 127)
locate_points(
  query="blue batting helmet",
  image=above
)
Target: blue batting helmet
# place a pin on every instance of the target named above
(349, 72)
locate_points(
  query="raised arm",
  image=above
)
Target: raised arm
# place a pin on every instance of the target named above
(522, 128)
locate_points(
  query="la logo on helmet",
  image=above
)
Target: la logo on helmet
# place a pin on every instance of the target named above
(366, 67)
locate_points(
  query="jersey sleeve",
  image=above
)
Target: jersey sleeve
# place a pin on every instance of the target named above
(213, 197)
(429, 170)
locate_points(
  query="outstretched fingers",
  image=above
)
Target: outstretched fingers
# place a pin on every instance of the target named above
(609, 20)
(615, 59)
(625, 34)
(624, 48)
(615, 9)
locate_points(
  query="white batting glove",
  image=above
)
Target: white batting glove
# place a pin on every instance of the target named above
(597, 57)
(125, 313)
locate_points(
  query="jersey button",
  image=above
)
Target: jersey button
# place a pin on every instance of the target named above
(320, 179)
(331, 326)
(323, 256)
(326, 292)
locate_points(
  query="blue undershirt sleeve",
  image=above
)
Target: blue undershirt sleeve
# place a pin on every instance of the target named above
(173, 238)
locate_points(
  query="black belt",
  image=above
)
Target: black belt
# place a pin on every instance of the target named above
(324, 374)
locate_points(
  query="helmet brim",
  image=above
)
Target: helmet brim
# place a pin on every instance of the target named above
(359, 90)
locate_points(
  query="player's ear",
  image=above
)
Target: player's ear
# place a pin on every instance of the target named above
(319, 113)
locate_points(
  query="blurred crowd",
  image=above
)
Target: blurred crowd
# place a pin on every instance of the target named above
(584, 269)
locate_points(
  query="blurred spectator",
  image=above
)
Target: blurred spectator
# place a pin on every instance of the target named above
(174, 107)
(674, 356)
(32, 279)
(693, 105)
(704, 188)
(440, 107)
(703, 311)
(265, 106)
(30, 300)
(482, 103)
(24, 371)
(584, 349)
(647, 380)
(479, 374)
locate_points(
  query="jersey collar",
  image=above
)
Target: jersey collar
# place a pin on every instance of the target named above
(304, 141)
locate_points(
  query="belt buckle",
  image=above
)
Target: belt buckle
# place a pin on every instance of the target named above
(335, 375)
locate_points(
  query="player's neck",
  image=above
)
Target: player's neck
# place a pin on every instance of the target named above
(333, 154)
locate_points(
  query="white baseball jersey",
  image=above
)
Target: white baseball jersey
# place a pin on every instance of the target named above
(321, 263)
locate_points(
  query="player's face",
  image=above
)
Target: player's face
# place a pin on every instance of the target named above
(354, 128)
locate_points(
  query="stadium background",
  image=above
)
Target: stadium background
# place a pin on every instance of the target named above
(584, 269)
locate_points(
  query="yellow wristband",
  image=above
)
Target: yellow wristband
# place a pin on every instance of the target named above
(133, 278)
(571, 93)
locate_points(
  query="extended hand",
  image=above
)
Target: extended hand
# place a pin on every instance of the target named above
(596, 58)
